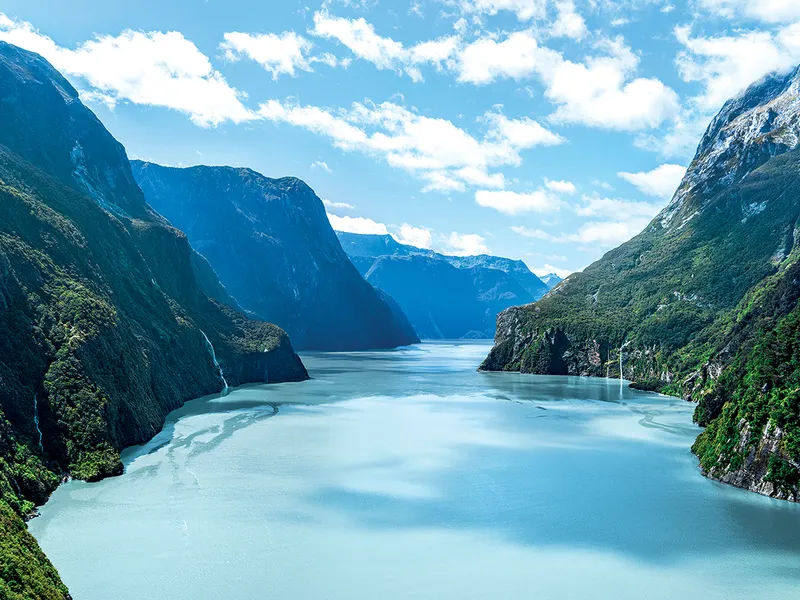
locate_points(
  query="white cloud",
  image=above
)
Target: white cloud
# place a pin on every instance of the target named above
(514, 203)
(681, 138)
(419, 237)
(726, 64)
(771, 11)
(600, 92)
(560, 187)
(522, 133)
(278, 54)
(357, 225)
(321, 164)
(365, 43)
(337, 205)
(524, 9)
(536, 234)
(154, 68)
(614, 208)
(360, 37)
(615, 221)
(466, 244)
(485, 60)
(607, 234)
(441, 154)
(661, 182)
(569, 23)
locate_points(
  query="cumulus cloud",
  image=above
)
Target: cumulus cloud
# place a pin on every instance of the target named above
(560, 187)
(514, 203)
(278, 54)
(524, 9)
(419, 237)
(600, 92)
(444, 156)
(606, 234)
(466, 244)
(365, 43)
(569, 23)
(321, 164)
(723, 65)
(357, 225)
(726, 64)
(771, 11)
(515, 57)
(661, 182)
(614, 208)
(337, 205)
(153, 68)
(535, 234)
(613, 221)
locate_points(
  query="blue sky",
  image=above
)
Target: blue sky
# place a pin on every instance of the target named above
(546, 130)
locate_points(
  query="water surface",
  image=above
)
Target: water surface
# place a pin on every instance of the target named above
(408, 475)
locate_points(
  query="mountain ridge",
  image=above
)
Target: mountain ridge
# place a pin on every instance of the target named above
(681, 306)
(106, 329)
(443, 296)
(270, 243)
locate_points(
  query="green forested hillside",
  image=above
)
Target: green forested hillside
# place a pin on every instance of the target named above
(103, 322)
(704, 302)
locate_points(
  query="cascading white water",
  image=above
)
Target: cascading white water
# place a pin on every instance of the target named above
(216, 363)
(36, 420)
(621, 376)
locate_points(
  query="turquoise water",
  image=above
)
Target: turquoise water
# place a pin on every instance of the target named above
(407, 474)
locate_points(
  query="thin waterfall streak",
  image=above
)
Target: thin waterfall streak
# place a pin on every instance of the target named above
(216, 363)
(36, 421)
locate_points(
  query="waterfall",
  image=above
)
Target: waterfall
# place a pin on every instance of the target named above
(621, 377)
(216, 363)
(36, 420)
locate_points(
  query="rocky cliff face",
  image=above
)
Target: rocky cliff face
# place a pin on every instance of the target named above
(271, 244)
(444, 296)
(685, 307)
(105, 328)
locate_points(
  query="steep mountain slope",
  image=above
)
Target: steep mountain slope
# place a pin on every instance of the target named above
(704, 301)
(272, 246)
(104, 327)
(443, 296)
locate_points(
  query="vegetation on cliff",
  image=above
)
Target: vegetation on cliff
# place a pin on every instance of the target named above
(104, 323)
(704, 302)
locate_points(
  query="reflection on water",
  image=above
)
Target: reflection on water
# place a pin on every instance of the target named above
(408, 474)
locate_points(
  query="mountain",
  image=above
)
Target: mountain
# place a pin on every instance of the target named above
(704, 302)
(271, 244)
(516, 269)
(104, 326)
(551, 280)
(444, 297)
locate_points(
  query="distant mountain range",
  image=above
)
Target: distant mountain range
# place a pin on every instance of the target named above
(551, 280)
(270, 243)
(444, 297)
